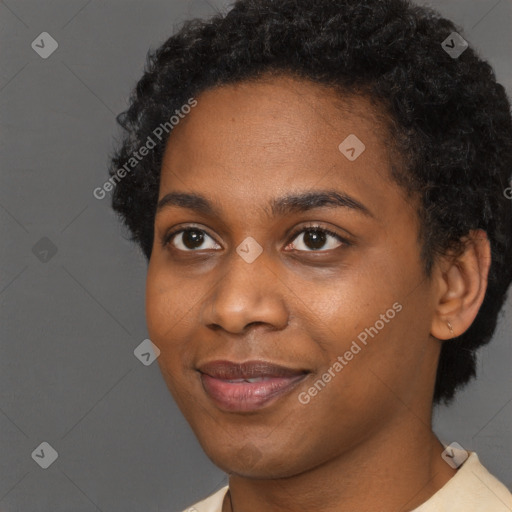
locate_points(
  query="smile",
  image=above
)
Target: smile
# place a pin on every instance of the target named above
(249, 385)
(251, 394)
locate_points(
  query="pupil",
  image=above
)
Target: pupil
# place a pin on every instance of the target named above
(314, 239)
(191, 237)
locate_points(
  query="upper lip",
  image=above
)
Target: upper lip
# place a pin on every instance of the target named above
(228, 370)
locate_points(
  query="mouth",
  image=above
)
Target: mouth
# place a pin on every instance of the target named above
(248, 386)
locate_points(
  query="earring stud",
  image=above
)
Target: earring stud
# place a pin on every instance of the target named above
(450, 327)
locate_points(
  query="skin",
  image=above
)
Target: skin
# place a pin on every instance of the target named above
(301, 306)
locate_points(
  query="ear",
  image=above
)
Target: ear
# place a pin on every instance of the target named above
(461, 286)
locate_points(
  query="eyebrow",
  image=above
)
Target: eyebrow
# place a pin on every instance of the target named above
(281, 206)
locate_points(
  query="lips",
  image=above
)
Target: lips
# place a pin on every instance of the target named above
(249, 385)
(227, 370)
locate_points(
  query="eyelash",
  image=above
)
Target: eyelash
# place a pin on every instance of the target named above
(167, 238)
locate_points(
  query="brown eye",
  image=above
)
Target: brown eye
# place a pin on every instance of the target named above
(315, 238)
(189, 239)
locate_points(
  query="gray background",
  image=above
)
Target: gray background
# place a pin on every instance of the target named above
(70, 324)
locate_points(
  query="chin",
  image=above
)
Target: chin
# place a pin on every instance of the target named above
(249, 461)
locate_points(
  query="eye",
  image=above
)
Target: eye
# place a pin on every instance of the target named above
(315, 237)
(188, 239)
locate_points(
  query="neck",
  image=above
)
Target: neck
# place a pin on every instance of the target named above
(394, 472)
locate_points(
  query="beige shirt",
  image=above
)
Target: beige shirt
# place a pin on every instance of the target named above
(471, 489)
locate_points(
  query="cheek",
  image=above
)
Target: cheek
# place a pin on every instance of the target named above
(163, 313)
(158, 311)
(375, 318)
(162, 319)
(167, 303)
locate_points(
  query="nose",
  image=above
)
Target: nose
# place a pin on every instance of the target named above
(245, 294)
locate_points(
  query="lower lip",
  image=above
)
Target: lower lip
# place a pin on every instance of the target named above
(248, 396)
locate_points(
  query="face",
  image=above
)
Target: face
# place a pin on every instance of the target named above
(327, 283)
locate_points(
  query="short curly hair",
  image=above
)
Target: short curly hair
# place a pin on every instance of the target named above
(449, 119)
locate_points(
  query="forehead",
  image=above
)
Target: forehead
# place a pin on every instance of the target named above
(278, 110)
(249, 139)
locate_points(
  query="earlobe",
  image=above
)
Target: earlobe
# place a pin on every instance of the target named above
(462, 284)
